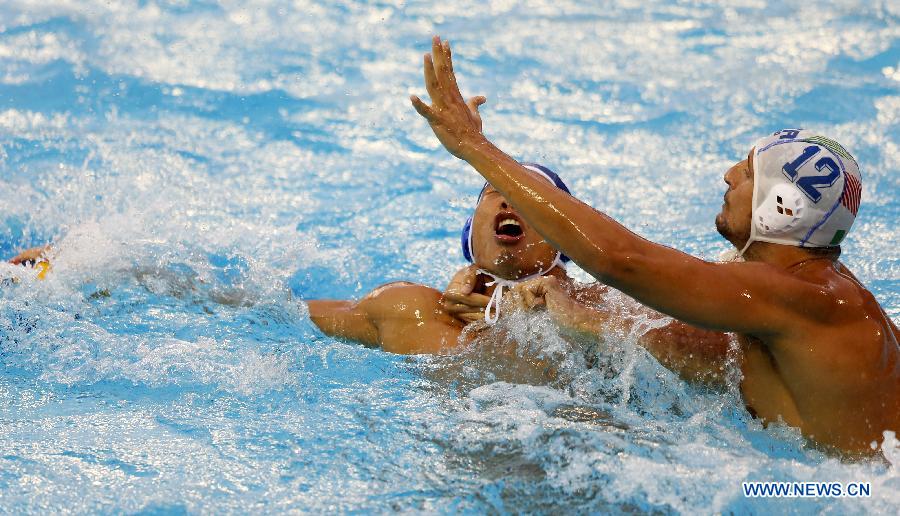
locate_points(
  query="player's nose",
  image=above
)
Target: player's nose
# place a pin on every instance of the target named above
(729, 176)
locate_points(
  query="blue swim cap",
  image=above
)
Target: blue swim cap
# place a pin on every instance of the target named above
(466, 236)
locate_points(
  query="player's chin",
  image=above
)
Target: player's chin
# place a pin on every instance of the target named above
(722, 225)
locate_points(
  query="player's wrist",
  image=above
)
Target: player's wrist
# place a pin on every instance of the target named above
(474, 146)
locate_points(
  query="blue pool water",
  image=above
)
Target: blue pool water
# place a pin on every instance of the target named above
(201, 167)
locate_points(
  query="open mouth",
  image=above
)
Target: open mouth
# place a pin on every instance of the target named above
(508, 228)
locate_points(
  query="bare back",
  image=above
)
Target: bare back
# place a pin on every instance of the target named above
(836, 376)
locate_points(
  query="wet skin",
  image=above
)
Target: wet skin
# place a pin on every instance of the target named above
(818, 350)
(408, 318)
(834, 372)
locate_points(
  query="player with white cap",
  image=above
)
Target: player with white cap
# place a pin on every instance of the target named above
(806, 191)
(818, 352)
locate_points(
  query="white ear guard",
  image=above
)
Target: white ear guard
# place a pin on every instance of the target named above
(807, 190)
(779, 213)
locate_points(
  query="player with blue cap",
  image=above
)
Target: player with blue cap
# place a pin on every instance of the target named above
(404, 317)
(511, 229)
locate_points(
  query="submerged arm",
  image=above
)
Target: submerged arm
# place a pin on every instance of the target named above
(697, 355)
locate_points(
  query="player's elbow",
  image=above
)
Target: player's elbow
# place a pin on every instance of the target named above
(327, 315)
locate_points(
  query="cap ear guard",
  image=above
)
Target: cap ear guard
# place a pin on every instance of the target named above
(466, 241)
(781, 211)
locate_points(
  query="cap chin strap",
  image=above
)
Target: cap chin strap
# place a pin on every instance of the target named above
(501, 283)
(747, 245)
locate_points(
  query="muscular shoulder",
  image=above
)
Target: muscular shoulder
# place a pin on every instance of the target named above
(399, 299)
(847, 294)
(836, 296)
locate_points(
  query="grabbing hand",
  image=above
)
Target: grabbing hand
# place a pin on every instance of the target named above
(459, 301)
(30, 256)
(543, 292)
(455, 122)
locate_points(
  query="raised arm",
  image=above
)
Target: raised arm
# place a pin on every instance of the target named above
(734, 297)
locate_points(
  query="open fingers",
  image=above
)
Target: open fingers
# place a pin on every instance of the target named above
(421, 107)
(451, 75)
(473, 104)
(431, 81)
(463, 282)
(472, 300)
(458, 293)
(476, 101)
(443, 67)
(448, 58)
(471, 317)
(437, 55)
(460, 286)
(459, 308)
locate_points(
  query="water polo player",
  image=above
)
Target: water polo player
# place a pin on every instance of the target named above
(35, 257)
(819, 353)
(408, 318)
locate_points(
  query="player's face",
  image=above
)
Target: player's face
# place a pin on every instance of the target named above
(733, 222)
(503, 243)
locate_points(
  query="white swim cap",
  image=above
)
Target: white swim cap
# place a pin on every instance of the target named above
(806, 190)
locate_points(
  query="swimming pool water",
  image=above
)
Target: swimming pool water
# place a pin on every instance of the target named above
(201, 167)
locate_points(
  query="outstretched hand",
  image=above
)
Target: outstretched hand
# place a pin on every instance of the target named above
(454, 121)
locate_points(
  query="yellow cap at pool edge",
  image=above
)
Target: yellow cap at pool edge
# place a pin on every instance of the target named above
(43, 267)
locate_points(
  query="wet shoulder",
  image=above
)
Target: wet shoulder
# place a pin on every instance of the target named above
(401, 299)
(836, 295)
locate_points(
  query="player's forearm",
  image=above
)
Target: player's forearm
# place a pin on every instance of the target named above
(669, 281)
(579, 324)
(329, 315)
(342, 319)
(697, 355)
(594, 241)
(581, 320)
